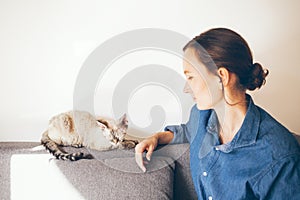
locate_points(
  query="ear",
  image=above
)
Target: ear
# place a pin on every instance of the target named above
(224, 76)
(123, 121)
(102, 124)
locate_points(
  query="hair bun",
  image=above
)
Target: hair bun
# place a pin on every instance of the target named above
(257, 77)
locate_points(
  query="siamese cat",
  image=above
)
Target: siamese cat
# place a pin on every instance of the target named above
(82, 129)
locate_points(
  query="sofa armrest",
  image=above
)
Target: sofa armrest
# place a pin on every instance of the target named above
(183, 185)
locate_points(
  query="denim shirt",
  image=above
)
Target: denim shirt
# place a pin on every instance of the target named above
(261, 162)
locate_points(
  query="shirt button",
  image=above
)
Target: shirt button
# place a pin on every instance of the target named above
(217, 149)
(210, 198)
(204, 173)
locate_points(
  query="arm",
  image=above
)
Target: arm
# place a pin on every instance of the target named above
(184, 133)
(172, 134)
(150, 144)
(180, 133)
(281, 181)
(164, 137)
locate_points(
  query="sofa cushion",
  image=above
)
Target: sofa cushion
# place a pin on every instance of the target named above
(118, 178)
(29, 172)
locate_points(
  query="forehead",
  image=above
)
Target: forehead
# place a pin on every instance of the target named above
(191, 62)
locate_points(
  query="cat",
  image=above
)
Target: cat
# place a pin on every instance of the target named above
(82, 129)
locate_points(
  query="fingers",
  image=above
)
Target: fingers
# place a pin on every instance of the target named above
(149, 153)
(146, 145)
(139, 149)
(139, 161)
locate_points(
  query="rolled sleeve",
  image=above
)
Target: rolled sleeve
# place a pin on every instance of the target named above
(184, 132)
(179, 132)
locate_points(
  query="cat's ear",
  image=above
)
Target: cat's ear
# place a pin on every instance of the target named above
(103, 121)
(101, 124)
(123, 121)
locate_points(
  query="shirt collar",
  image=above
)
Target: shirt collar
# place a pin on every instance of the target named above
(246, 135)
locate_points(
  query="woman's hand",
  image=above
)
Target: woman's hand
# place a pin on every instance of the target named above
(149, 144)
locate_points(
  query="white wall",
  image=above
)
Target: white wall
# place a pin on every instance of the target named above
(44, 43)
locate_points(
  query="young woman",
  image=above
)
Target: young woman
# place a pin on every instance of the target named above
(237, 150)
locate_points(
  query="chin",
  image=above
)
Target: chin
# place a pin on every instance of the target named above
(202, 106)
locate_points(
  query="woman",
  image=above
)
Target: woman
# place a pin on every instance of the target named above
(237, 150)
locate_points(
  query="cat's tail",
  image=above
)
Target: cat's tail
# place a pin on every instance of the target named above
(54, 149)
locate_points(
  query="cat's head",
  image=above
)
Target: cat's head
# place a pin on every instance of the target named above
(117, 128)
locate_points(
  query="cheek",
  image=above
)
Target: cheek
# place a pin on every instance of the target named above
(204, 95)
(199, 87)
(106, 132)
(215, 89)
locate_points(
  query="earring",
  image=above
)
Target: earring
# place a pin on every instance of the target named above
(221, 85)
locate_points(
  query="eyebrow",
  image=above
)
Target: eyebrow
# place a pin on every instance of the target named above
(186, 72)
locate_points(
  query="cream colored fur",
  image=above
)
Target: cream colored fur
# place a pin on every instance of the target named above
(79, 128)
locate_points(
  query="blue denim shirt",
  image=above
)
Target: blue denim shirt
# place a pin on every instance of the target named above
(261, 162)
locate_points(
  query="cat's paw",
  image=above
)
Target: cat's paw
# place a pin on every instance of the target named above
(77, 145)
(128, 144)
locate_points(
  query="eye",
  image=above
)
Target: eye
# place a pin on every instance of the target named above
(189, 77)
(114, 131)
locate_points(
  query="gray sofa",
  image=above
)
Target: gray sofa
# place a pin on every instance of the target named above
(28, 171)
(109, 175)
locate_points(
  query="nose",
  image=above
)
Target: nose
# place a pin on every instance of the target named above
(187, 88)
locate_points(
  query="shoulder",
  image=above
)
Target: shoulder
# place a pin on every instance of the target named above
(284, 174)
(281, 163)
(276, 137)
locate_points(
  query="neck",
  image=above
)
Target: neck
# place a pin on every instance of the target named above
(231, 116)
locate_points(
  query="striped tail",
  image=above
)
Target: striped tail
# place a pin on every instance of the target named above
(54, 149)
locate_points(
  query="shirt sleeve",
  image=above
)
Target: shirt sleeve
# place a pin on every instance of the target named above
(281, 181)
(183, 133)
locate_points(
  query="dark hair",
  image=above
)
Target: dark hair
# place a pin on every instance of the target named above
(225, 48)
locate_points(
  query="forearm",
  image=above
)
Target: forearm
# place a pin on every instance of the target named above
(164, 137)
